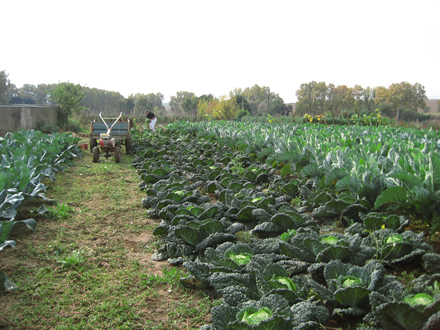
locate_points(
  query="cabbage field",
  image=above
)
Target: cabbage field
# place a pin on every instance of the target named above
(27, 159)
(298, 226)
(294, 226)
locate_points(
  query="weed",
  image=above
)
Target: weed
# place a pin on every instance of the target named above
(296, 201)
(170, 276)
(62, 211)
(405, 277)
(153, 245)
(244, 236)
(237, 167)
(73, 259)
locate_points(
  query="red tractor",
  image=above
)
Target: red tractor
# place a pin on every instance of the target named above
(109, 136)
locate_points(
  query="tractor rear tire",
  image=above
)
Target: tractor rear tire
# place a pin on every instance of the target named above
(118, 154)
(95, 154)
(93, 143)
(128, 144)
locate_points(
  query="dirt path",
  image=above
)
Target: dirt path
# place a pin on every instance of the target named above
(89, 262)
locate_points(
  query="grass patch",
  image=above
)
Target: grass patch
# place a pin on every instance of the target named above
(88, 264)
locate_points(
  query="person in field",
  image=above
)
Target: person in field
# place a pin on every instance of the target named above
(152, 119)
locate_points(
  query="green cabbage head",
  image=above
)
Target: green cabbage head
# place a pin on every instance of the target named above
(254, 316)
(242, 258)
(419, 299)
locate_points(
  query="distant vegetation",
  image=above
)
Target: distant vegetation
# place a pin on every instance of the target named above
(331, 104)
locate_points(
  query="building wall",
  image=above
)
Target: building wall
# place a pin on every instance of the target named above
(17, 117)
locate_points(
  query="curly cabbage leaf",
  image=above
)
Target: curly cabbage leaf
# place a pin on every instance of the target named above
(396, 238)
(352, 296)
(290, 233)
(285, 282)
(307, 315)
(402, 315)
(6, 284)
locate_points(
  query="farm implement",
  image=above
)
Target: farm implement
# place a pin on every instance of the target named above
(108, 136)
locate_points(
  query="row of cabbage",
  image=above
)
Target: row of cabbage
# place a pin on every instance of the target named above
(242, 225)
(27, 158)
(378, 164)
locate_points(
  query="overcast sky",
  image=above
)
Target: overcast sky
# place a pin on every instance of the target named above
(213, 47)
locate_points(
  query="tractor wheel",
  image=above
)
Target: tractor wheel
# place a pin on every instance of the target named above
(128, 144)
(118, 154)
(95, 154)
(93, 143)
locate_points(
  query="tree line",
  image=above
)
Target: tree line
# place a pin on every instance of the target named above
(398, 99)
(254, 101)
(313, 98)
(94, 101)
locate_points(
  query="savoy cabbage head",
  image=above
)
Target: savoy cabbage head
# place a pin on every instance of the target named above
(275, 279)
(375, 221)
(393, 248)
(412, 307)
(351, 285)
(270, 312)
(312, 247)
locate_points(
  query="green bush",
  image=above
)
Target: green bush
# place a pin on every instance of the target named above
(411, 115)
(73, 125)
(241, 113)
(47, 128)
(386, 110)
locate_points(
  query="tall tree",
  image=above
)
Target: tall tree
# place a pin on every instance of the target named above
(273, 104)
(176, 102)
(357, 92)
(206, 106)
(226, 108)
(402, 96)
(126, 105)
(4, 87)
(28, 93)
(141, 104)
(243, 102)
(206, 97)
(368, 99)
(107, 102)
(381, 94)
(241, 99)
(235, 92)
(69, 98)
(155, 102)
(255, 96)
(405, 95)
(343, 99)
(42, 93)
(189, 105)
(311, 98)
(333, 101)
(151, 102)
